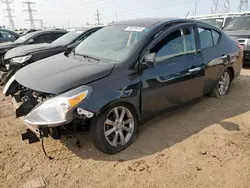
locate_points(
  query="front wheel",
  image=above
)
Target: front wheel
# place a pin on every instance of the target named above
(223, 85)
(115, 129)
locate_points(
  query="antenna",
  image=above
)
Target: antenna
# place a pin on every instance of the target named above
(30, 12)
(187, 14)
(9, 13)
(243, 5)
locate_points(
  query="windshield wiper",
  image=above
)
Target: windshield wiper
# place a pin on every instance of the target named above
(87, 57)
(229, 29)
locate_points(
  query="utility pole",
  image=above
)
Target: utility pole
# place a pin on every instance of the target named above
(195, 7)
(116, 16)
(243, 5)
(98, 17)
(220, 6)
(9, 13)
(41, 24)
(30, 12)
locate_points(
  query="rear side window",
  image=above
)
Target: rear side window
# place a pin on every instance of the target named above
(216, 37)
(56, 36)
(206, 38)
(178, 43)
(44, 38)
(228, 20)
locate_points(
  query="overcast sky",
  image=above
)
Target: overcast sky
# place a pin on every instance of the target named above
(62, 13)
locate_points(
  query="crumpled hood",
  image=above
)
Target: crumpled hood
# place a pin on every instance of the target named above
(238, 33)
(27, 49)
(60, 73)
(7, 45)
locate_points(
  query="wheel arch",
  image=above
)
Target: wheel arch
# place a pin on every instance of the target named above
(231, 69)
(122, 102)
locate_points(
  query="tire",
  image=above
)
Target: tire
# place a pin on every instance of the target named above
(128, 127)
(217, 92)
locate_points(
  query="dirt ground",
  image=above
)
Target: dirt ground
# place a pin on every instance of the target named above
(206, 144)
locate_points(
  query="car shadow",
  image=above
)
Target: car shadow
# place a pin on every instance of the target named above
(171, 128)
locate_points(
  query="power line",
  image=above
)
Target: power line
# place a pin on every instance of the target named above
(243, 5)
(9, 13)
(220, 6)
(157, 8)
(30, 12)
(98, 17)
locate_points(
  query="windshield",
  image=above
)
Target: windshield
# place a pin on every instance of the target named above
(239, 23)
(216, 22)
(24, 38)
(67, 38)
(112, 42)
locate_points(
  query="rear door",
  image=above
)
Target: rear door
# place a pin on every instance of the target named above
(178, 75)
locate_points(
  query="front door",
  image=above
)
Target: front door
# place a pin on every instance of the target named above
(178, 75)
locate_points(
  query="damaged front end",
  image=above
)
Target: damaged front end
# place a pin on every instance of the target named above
(44, 113)
(8, 67)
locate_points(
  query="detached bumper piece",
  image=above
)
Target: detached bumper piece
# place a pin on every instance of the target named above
(30, 136)
(33, 133)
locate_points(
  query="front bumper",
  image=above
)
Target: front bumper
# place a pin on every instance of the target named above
(34, 132)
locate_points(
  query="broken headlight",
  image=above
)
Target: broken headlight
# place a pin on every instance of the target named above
(58, 110)
(22, 59)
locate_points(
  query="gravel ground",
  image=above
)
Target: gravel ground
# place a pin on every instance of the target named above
(206, 144)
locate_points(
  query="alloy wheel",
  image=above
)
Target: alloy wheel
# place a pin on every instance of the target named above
(119, 126)
(224, 84)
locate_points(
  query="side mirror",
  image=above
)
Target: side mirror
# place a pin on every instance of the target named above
(31, 41)
(149, 60)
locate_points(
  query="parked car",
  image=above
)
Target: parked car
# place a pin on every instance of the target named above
(217, 20)
(122, 74)
(31, 38)
(8, 36)
(19, 57)
(239, 28)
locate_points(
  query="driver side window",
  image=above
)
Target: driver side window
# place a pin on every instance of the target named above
(178, 43)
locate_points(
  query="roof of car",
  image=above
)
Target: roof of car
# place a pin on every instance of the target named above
(88, 28)
(49, 31)
(147, 22)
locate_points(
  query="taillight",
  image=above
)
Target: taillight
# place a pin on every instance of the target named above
(240, 47)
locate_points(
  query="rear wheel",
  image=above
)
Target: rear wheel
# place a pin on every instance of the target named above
(115, 129)
(223, 85)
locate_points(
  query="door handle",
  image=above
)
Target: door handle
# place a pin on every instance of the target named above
(195, 69)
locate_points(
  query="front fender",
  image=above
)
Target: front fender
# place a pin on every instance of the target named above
(102, 97)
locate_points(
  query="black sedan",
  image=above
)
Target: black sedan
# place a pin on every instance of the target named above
(8, 36)
(21, 56)
(31, 38)
(122, 74)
